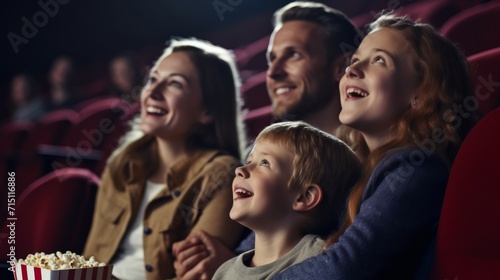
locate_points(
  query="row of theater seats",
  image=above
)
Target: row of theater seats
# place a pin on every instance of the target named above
(82, 138)
(470, 25)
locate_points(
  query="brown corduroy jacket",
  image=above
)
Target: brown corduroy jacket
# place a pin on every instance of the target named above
(198, 195)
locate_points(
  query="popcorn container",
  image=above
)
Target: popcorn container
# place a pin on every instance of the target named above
(28, 272)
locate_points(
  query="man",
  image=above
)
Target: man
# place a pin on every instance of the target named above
(308, 52)
(307, 55)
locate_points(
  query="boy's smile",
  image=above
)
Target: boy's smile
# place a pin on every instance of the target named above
(242, 193)
(260, 188)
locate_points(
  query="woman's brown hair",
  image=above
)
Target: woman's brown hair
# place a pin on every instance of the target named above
(220, 86)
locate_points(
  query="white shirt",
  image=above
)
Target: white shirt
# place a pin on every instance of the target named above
(129, 263)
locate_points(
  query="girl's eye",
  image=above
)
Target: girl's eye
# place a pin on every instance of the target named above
(379, 59)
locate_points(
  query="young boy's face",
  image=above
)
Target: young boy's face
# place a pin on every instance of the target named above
(261, 197)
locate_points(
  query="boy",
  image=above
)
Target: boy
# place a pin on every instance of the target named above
(291, 193)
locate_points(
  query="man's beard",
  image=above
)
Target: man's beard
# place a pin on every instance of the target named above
(307, 105)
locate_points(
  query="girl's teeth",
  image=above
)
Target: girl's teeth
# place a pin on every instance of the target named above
(358, 93)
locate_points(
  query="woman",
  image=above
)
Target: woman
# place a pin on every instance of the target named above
(172, 174)
(399, 95)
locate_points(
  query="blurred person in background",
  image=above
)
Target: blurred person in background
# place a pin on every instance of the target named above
(62, 92)
(27, 103)
(125, 77)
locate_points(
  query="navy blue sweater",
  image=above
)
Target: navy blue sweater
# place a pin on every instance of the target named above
(392, 236)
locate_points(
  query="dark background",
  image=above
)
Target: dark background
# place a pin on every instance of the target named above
(92, 32)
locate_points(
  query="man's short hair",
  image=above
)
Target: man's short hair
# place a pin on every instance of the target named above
(342, 37)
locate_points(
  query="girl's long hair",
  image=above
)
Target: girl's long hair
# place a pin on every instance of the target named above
(444, 83)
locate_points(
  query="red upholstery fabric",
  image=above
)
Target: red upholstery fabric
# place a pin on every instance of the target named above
(468, 240)
(49, 131)
(258, 104)
(253, 56)
(257, 119)
(432, 12)
(475, 29)
(81, 145)
(254, 92)
(485, 68)
(54, 213)
(12, 136)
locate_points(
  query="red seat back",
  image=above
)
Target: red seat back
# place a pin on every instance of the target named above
(468, 239)
(54, 213)
(485, 68)
(475, 29)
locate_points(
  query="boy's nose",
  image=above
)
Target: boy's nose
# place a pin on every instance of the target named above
(241, 171)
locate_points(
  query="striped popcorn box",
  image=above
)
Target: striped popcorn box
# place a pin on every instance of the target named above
(28, 272)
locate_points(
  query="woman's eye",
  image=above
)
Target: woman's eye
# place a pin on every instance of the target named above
(152, 80)
(175, 84)
(354, 61)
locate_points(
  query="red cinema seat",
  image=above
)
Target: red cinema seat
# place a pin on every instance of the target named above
(254, 92)
(468, 243)
(82, 144)
(485, 69)
(476, 29)
(54, 213)
(49, 131)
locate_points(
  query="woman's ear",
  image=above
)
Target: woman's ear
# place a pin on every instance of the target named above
(308, 198)
(206, 118)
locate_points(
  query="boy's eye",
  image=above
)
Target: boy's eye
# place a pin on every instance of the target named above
(264, 162)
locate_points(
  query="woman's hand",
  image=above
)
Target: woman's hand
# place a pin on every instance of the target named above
(199, 256)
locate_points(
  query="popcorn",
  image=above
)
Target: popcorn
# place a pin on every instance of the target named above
(61, 266)
(60, 261)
